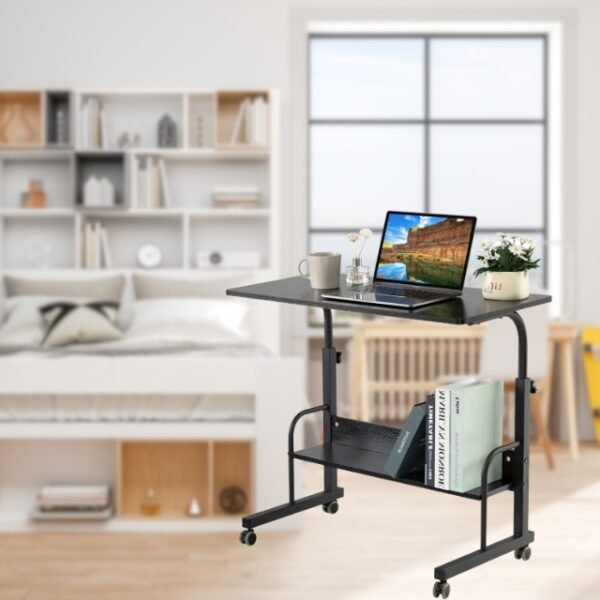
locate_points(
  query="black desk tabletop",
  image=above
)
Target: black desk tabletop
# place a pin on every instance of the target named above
(470, 308)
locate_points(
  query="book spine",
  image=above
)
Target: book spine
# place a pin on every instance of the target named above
(430, 442)
(456, 428)
(442, 439)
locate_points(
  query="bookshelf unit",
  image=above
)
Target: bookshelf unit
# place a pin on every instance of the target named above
(202, 159)
(190, 458)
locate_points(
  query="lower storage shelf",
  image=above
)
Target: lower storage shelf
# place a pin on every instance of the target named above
(364, 448)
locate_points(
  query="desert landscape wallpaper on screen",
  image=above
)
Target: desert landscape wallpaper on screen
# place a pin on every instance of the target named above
(425, 249)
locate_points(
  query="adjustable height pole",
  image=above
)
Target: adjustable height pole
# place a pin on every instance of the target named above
(522, 418)
(329, 393)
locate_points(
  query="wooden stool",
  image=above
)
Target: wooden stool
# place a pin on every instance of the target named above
(562, 336)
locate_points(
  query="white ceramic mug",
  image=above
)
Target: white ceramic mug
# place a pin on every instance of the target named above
(323, 270)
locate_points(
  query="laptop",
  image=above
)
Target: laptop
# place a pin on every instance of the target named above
(422, 260)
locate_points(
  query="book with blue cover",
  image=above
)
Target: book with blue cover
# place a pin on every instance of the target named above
(408, 452)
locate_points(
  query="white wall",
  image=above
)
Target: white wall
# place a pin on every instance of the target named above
(239, 43)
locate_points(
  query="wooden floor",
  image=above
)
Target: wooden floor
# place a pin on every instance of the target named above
(383, 543)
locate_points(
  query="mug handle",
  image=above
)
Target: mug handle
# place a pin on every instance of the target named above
(300, 268)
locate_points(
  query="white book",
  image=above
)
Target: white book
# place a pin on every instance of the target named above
(93, 123)
(442, 438)
(103, 129)
(261, 121)
(476, 425)
(148, 202)
(165, 187)
(96, 246)
(250, 123)
(85, 124)
(155, 172)
(87, 238)
(141, 196)
(106, 254)
(241, 116)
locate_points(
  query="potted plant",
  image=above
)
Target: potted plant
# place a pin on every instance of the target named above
(506, 265)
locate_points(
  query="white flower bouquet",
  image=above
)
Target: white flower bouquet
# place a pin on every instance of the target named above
(510, 253)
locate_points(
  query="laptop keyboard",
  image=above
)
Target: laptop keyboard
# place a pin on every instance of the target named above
(416, 294)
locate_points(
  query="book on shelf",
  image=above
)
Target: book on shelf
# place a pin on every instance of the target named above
(93, 124)
(236, 197)
(153, 187)
(52, 497)
(253, 117)
(164, 184)
(96, 249)
(476, 425)
(73, 503)
(430, 441)
(241, 117)
(407, 453)
(465, 420)
(442, 437)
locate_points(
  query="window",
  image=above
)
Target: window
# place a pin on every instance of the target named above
(435, 123)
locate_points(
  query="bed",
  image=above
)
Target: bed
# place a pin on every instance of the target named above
(189, 364)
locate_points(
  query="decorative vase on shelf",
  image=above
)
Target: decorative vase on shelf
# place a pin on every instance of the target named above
(357, 274)
(16, 129)
(505, 285)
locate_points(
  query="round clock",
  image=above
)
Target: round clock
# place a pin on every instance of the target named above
(149, 256)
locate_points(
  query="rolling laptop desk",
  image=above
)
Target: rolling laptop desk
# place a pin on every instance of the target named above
(363, 447)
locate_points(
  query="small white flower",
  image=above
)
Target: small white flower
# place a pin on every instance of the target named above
(366, 233)
(353, 237)
(485, 244)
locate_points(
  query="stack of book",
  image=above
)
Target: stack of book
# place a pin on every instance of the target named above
(153, 184)
(252, 118)
(95, 253)
(73, 502)
(451, 435)
(94, 127)
(246, 196)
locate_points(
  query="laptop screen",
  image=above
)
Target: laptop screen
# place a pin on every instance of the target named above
(425, 249)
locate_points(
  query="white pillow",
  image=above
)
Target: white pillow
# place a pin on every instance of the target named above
(24, 326)
(198, 322)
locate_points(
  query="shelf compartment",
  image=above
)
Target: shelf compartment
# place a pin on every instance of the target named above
(228, 106)
(26, 106)
(364, 448)
(232, 467)
(137, 113)
(126, 232)
(176, 471)
(37, 243)
(59, 125)
(111, 165)
(201, 120)
(55, 171)
(191, 182)
(224, 234)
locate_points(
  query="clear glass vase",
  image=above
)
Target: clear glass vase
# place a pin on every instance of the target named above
(357, 274)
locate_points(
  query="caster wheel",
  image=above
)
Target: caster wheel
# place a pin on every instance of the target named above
(441, 589)
(332, 507)
(523, 553)
(248, 537)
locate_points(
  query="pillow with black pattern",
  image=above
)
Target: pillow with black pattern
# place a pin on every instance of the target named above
(71, 323)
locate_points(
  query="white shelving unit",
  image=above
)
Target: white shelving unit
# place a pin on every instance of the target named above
(50, 237)
(47, 242)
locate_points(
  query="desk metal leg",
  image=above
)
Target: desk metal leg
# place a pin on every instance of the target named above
(522, 537)
(331, 492)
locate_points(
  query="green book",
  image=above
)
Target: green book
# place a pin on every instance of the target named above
(476, 418)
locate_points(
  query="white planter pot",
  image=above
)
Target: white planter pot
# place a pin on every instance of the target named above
(510, 285)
